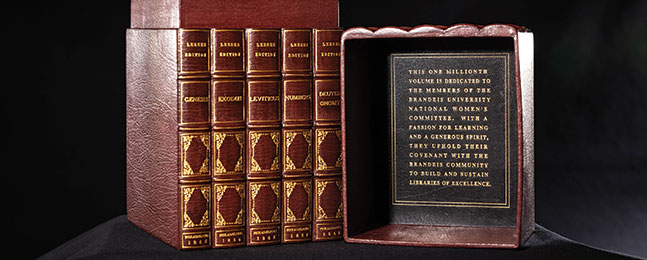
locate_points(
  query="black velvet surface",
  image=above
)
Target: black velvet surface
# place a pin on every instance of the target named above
(119, 239)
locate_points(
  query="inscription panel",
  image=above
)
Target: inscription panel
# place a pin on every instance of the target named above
(453, 136)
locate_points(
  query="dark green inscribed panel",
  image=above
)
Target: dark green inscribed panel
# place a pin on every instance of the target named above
(453, 138)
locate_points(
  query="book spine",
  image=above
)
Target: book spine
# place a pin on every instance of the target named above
(228, 136)
(296, 222)
(194, 138)
(263, 136)
(328, 157)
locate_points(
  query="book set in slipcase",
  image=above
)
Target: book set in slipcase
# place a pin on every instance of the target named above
(248, 127)
(222, 117)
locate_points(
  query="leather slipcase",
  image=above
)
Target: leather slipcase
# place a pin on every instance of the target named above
(234, 14)
(374, 211)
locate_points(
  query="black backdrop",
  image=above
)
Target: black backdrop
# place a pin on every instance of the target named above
(65, 104)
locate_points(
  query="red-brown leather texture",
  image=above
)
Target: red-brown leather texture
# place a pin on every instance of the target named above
(297, 52)
(228, 53)
(420, 235)
(152, 151)
(328, 205)
(263, 153)
(264, 212)
(328, 150)
(263, 161)
(327, 154)
(228, 133)
(195, 210)
(229, 202)
(296, 223)
(297, 78)
(195, 139)
(297, 152)
(194, 104)
(234, 14)
(228, 154)
(263, 166)
(263, 52)
(297, 102)
(327, 44)
(228, 102)
(264, 102)
(327, 101)
(326, 51)
(193, 53)
(154, 14)
(195, 156)
(327, 218)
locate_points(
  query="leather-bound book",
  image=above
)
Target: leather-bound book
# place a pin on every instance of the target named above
(328, 156)
(228, 136)
(233, 13)
(263, 139)
(297, 135)
(168, 135)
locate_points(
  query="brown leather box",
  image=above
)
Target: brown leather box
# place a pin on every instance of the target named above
(437, 132)
(234, 14)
